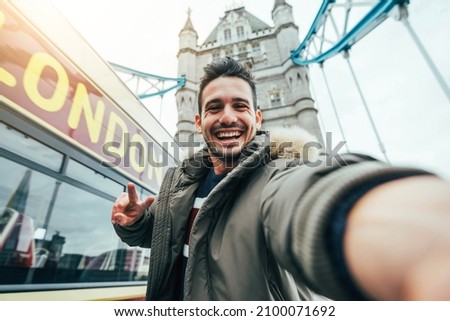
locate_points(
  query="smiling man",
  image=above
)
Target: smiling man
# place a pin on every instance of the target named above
(228, 117)
(247, 219)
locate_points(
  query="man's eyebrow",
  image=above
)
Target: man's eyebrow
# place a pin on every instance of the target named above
(213, 101)
(241, 99)
(219, 101)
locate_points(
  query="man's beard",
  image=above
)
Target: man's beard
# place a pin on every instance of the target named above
(223, 155)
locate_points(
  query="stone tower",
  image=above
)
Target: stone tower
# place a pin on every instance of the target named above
(186, 97)
(282, 86)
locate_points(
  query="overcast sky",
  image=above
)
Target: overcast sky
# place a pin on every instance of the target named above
(409, 108)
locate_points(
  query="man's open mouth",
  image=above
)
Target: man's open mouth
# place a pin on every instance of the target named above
(228, 135)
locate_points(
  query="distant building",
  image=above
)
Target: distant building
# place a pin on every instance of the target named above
(282, 86)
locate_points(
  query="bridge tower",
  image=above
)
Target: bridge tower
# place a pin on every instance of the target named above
(282, 86)
(186, 97)
(297, 107)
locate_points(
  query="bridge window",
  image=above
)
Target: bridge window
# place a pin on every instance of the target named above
(227, 34)
(228, 52)
(242, 52)
(256, 50)
(275, 99)
(240, 32)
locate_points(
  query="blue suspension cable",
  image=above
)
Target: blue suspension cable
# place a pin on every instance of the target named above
(334, 108)
(423, 51)
(179, 82)
(371, 20)
(380, 143)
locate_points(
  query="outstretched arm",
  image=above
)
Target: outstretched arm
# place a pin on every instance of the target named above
(397, 240)
(361, 231)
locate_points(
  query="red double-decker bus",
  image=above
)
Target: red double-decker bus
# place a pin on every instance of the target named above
(71, 136)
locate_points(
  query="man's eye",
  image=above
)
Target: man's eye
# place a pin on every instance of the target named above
(213, 108)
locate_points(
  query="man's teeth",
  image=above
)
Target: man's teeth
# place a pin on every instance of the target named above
(228, 134)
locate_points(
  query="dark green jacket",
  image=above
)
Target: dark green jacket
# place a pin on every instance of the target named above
(262, 232)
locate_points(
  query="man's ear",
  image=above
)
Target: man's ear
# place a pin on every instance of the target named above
(258, 119)
(198, 123)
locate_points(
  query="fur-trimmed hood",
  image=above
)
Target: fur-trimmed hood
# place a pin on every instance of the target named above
(292, 142)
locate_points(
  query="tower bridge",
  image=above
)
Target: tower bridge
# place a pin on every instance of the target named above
(281, 63)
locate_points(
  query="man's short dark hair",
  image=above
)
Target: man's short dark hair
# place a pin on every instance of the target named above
(225, 67)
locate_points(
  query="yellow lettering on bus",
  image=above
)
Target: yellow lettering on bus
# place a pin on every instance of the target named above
(93, 121)
(33, 74)
(114, 123)
(138, 154)
(7, 78)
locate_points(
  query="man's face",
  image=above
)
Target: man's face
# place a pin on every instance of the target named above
(228, 120)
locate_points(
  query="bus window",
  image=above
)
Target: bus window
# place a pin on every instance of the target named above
(144, 193)
(88, 176)
(20, 144)
(23, 198)
(54, 232)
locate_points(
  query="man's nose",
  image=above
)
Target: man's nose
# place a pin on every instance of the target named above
(228, 115)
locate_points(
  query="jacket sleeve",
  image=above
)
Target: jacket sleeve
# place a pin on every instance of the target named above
(139, 233)
(300, 208)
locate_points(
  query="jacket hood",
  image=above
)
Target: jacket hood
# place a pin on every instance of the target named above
(286, 143)
(293, 142)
